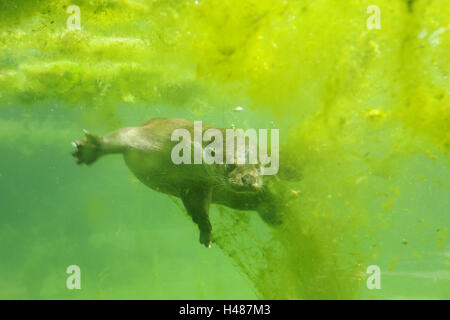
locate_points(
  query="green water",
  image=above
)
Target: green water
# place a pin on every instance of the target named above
(363, 114)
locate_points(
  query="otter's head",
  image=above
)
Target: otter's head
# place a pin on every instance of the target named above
(244, 177)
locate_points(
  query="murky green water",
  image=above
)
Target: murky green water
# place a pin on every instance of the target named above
(363, 114)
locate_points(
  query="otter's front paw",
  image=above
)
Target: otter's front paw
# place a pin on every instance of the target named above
(205, 238)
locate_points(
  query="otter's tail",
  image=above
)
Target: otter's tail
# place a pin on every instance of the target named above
(88, 150)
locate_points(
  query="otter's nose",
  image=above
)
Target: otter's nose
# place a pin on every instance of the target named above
(248, 180)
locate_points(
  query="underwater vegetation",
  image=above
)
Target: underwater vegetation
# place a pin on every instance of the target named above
(364, 116)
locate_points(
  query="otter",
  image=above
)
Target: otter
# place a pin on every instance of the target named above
(147, 153)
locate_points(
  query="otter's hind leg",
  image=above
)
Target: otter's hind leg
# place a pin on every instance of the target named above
(196, 201)
(88, 150)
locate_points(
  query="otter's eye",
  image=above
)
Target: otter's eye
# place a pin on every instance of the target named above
(230, 167)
